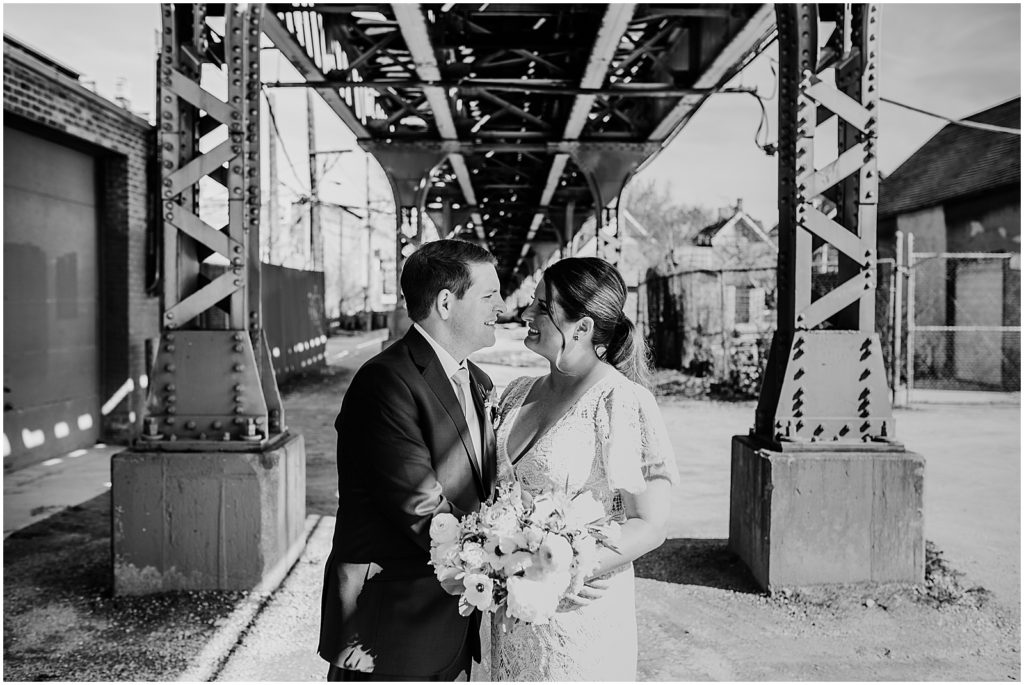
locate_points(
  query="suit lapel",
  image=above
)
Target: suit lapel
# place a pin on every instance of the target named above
(441, 386)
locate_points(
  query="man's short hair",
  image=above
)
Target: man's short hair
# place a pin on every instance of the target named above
(439, 265)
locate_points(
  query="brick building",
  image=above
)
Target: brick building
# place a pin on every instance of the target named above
(81, 304)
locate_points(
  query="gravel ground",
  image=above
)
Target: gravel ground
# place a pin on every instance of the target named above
(61, 622)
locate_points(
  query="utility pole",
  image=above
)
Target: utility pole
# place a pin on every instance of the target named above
(369, 250)
(316, 248)
(272, 206)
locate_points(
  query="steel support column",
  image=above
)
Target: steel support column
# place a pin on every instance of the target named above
(215, 422)
(820, 472)
(607, 172)
(408, 169)
(212, 380)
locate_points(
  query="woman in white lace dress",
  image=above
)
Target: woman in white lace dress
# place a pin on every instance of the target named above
(589, 422)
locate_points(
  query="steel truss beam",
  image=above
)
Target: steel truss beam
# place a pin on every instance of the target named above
(212, 380)
(826, 384)
(414, 30)
(613, 27)
(747, 42)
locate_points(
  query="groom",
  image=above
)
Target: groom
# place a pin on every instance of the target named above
(414, 440)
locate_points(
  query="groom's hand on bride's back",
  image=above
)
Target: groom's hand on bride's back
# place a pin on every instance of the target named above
(593, 590)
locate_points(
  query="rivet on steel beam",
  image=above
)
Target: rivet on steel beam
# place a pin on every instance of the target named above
(238, 248)
(238, 348)
(799, 374)
(226, 437)
(238, 387)
(239, 410)
(216, 425)
(170, 420)
(238, 420)
(239, 367)
(169, 315)
(191, 425)
(171, 410)
(171, 399)
(169, 348)
(238, 399)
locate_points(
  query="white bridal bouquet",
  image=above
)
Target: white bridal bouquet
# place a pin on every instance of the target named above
(524, 553)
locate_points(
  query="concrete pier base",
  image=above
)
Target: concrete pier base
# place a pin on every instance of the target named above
(205, 520)
(827, 515)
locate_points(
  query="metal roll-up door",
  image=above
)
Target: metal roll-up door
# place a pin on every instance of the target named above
(51, 313)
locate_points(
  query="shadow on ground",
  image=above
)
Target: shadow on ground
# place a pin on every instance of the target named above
(697, 561)
(61, 621)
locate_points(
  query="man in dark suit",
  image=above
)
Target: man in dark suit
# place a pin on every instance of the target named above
(414, 440)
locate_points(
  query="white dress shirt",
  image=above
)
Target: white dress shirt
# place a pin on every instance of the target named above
(450, 366)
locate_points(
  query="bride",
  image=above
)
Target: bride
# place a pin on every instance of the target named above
(589, 422)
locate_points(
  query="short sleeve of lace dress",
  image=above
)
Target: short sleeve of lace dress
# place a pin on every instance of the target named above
(636, 448)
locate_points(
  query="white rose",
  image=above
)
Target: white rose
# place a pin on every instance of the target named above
(532, 601)
(511, 543)
(533, 537)
(518, 561)
(499, 519)
(444, 528)
(555, 554)
(473, 554)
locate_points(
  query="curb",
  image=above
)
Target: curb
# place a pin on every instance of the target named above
(222, 643)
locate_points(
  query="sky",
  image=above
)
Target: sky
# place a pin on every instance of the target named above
(951, 59)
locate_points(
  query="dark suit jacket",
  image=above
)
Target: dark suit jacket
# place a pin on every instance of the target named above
(403, 456)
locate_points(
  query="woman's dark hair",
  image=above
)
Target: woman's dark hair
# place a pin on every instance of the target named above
(439, 265)
(590, 286)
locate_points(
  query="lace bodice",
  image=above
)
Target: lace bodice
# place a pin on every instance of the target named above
(612, 439)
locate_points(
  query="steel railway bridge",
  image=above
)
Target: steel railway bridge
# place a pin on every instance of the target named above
(511, 125)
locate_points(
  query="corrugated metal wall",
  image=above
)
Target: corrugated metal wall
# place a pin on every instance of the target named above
(294, 318)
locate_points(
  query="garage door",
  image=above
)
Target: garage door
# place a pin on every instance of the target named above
(51, 325)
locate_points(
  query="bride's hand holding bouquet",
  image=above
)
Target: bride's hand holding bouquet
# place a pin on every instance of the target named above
(521, 555)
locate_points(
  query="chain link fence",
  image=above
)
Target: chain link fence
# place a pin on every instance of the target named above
(963, 321)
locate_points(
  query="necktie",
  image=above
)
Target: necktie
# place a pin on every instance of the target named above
(461, 378)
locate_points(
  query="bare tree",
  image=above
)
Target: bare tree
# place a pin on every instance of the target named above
(668, 224)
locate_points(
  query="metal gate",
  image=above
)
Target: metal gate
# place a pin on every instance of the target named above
(963, 321)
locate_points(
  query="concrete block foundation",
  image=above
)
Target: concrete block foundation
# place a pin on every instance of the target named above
(205, 520)
(827, 516)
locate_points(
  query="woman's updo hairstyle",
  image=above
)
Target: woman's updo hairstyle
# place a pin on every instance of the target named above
(590, 286)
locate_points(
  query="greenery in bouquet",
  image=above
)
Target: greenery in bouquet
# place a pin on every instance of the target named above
(521, 553)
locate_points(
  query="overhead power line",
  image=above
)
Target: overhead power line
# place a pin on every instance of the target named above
(284, 148)
(959, 122)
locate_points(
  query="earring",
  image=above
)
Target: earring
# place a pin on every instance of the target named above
(576, 337)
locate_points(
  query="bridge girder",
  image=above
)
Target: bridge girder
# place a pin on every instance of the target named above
(510, 91)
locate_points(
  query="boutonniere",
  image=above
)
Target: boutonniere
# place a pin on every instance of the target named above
(491, 405)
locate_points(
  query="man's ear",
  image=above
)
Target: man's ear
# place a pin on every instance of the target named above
(443, 303)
